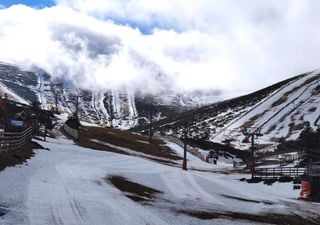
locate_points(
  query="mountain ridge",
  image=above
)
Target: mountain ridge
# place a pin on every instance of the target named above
(225, 121)
(280, 111)
(123, 109)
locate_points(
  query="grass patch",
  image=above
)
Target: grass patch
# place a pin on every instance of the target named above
(125, 139)
(254, 180)
(281, 100)
(20, 156)
(252, 120)
(133, 190)
(312, 109)
(247, 200)
(271, 128)
(295, 127)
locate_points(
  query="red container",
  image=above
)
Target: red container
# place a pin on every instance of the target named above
(305, 189)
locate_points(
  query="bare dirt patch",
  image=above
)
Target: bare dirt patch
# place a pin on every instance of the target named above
(133, 190)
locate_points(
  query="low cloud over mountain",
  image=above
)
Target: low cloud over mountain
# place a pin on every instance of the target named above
(229, 47)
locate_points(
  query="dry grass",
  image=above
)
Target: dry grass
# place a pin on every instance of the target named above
(132, 141)
(20, 156)
(312, 109)
(295, 127)
(281, 100)
(144, 195)
(271, 128)
(284, 98)
(133, 190)
(252, 120)
(247, 200)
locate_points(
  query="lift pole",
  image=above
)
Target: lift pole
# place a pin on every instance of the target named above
(150, 124)
(252, 132)
(184, 163)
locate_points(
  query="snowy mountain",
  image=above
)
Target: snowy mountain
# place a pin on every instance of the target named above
(118, 108)
(278, 112)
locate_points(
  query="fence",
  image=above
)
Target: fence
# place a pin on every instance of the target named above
(239, 164)
(14, 140)
(314, 170)
(275, 173)
(289, 158)
(72, 132)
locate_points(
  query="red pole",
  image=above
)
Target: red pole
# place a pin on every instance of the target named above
(252, 156)
(184, 162)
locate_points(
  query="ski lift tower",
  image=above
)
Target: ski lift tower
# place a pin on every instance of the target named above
(252, 132)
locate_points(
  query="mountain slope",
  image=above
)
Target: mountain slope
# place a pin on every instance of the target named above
(279, 111)
(117, 108)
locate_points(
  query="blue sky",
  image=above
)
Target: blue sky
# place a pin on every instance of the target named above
(32, 3)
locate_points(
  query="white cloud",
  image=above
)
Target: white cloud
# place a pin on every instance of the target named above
(229, 45)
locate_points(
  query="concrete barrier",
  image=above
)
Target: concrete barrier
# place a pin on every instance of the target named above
(72, 132)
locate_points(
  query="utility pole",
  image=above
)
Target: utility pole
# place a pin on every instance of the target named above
(184, 162)
(56, 95)
(77, 105)
(56, 100)
(252, 132)
(150, 124)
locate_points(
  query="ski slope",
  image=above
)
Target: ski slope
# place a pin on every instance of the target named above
(66, 185)
(282, 115)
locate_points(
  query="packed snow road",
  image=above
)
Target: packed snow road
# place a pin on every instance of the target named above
(65, 185)
(68, 185)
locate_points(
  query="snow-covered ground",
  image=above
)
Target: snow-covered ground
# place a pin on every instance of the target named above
(11, 95)
(280, 115)
(66, 185)
(196, 163)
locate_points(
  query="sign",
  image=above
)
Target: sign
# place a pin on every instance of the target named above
(16, 123)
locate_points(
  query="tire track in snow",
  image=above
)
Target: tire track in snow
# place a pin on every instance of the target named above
(54, 220)
(184, 186)
(204, 195)
(78, 210)
(64, 192)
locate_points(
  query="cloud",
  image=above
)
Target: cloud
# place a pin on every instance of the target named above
(226, 45)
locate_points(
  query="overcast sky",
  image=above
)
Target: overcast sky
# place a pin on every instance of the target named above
(227, 45)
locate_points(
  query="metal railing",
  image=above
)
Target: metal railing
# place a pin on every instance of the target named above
(279, 172)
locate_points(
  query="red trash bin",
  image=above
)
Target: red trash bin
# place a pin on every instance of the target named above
(305, 190)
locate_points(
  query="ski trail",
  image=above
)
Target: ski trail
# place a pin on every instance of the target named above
(184, 186)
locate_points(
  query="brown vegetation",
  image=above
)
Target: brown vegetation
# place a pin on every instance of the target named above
(125, 139)
(312, 109)
(247, 200)
(295, 127)
(271, 128)
(20, 156)
(133, 190)
(281, 100)
(252, 120)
